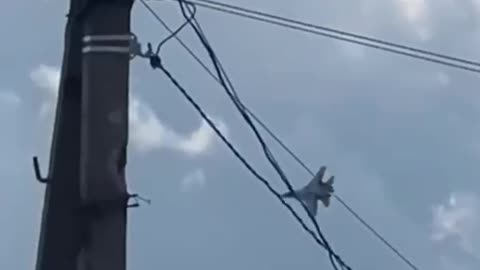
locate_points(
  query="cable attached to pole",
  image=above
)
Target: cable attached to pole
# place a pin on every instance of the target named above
(283, 145)
(155, 62)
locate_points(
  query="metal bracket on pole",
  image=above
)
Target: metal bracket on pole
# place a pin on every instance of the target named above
(38, 174)
(110, 44)
(107, 43)
(136, 49)
(137, 198)
(95, 208)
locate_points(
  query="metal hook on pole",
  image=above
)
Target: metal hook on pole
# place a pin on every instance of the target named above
(38, 174)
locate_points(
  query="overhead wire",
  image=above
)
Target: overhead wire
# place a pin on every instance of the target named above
(337, 197)
(173, 33)
(237, 154)
(345, 33)
(429, 56)
(288, 150)
(334, 258)
(231, 92)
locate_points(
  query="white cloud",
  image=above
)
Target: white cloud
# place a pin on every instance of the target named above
(415, 12)
(47, 78)
(148, 133)
(193, 181)
(458, 219)
(201, 139)
(10, 98)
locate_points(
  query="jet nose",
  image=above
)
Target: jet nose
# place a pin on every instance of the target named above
(287, 194)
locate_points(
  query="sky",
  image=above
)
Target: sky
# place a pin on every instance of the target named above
(401, 136)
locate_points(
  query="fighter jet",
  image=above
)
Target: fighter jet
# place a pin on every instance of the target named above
(314, 191)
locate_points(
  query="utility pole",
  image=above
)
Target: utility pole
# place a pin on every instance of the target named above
(58, 244)
(104, 196)
(84, 215)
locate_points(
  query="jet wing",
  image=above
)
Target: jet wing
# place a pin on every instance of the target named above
(312, 206)
(325, 200)
(317, 179)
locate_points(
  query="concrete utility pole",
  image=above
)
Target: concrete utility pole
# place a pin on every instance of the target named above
(58, 245)
(106, 57)
(84, 217)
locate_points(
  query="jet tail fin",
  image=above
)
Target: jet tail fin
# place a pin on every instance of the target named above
(325, 200)
(330, 180)
(329, 184)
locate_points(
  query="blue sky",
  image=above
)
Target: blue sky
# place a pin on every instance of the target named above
(401, 136)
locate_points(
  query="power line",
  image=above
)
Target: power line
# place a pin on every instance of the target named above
(156, 63)
(231, 92)
(345, 33)
(337, 197)
(429, 56)
(237, 154)
(286, 148)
